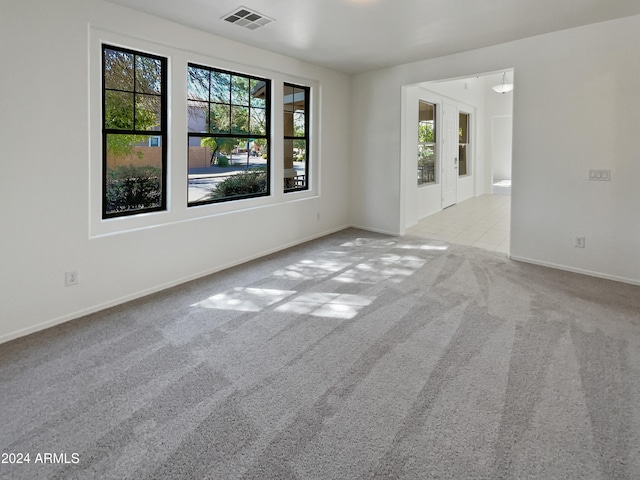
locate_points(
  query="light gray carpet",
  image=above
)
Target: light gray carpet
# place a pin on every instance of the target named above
(355, 356)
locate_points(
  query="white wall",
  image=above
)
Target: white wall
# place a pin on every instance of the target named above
(48, 132)
(575, 106)
(465, 90)
(501, 147)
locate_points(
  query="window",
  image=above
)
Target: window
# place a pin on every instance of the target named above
(426, 143)
(296, 137)
(134, 131)
(228, 132)
(463, 144)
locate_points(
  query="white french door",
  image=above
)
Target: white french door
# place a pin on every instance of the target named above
(449, 156)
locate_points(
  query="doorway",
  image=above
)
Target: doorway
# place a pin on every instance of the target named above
(466, 143)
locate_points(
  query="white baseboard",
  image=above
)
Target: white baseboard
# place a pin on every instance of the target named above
(375, 230)
(566, 268)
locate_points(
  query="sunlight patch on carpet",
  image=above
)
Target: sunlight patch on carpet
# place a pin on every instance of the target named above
(244, 299)
(312, 269)
(332, 305)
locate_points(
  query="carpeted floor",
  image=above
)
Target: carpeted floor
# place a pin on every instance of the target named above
(355, 356)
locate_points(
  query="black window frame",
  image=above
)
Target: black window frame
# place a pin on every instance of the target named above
(231, 134)
(162, 132)
(305, 137)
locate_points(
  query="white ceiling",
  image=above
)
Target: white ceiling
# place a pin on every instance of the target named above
(359, 35)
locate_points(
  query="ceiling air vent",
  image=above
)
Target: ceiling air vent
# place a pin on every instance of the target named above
(244, 17)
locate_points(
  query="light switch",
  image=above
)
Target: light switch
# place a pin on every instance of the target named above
(600, 175)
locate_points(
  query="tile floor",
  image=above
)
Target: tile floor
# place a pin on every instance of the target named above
(481, 222)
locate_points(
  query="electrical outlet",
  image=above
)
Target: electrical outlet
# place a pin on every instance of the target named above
(578, 242)
(71, 278)
(318, 216)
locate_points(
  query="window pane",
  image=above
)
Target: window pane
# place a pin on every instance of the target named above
(148, 112)
(258, 93)
(463, 128)
(223, 168)
(426, 132)
(239, 120)
(299, 98)
(258, 121)
(134, 173)
(240, 90)
(427, 112)
(426, 143)
(295, 177)
(220, 87)
(426, 122)
(118, 110)
(148, 75)
(234, 165)
(288, 98)
(299, 126)
(299, 152)
(294, 111)
(220, 118)
(462, 162)
(118, 70)
(198, 84)
(288, 124)
(197, 116)
(426, 164)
